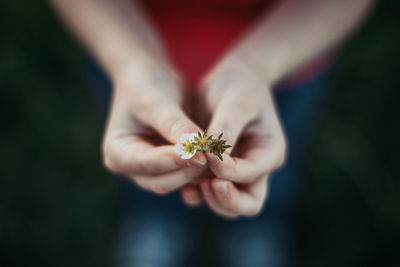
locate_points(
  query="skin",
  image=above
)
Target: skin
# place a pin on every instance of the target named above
(237, 185)
(132, 146)
(237, 96)
(147, 118)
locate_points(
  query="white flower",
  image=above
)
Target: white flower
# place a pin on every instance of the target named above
(185, 148)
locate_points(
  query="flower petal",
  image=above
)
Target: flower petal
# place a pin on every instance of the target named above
(188, 136)
(184, 137)
(179, 149)
(188, 155)
(192, 136)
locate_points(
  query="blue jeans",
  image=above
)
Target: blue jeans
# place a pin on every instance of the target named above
(161, 231)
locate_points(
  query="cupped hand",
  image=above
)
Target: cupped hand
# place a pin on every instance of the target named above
(145, 120)
(240, 105)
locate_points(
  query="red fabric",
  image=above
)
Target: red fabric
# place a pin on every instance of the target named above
(197, 32)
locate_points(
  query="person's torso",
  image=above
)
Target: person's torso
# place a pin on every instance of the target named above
(196, 33)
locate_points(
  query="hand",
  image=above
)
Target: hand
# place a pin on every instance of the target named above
(145, 116)
(240, 106)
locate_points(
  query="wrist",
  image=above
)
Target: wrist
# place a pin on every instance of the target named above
(145, 73)
(240, 69)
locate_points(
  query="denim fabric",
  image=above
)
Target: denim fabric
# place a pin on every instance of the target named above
(161, 231)
(267, 239)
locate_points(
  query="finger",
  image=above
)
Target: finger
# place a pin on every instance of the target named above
(170, 122)
(265, 152)
(212, 202)
(191, 195)
(132, 154)
(230, 117)
(166, 183)
(243, 202)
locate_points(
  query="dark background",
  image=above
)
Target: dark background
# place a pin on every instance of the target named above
(58, 206)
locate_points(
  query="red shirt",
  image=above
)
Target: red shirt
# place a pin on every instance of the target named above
(197, 32)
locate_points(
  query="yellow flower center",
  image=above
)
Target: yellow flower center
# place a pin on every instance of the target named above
(202, 142)
(188, 147)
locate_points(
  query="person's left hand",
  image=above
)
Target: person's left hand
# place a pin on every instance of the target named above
(241, 107)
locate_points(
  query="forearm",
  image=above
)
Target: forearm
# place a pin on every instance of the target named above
(116, 32)
(296, 32)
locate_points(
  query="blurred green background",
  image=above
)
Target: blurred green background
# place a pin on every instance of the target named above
(58, 206)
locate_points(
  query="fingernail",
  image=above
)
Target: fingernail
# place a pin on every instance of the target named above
(199, 163)
(222, 188)
(191, 197)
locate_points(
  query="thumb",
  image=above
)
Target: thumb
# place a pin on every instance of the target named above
(171, 123)
(230, 120)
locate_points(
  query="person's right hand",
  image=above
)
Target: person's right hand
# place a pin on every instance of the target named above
(240, 104)
(146, 108)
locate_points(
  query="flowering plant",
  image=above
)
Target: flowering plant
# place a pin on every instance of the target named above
(189, 144)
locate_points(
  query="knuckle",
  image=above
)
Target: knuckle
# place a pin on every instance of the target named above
(282, 154)
(109, 160)
(109, 164)
(252, 212)
(281, 160)
(144, 103)
(140, 183)
(159, 189)
(232, 205)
